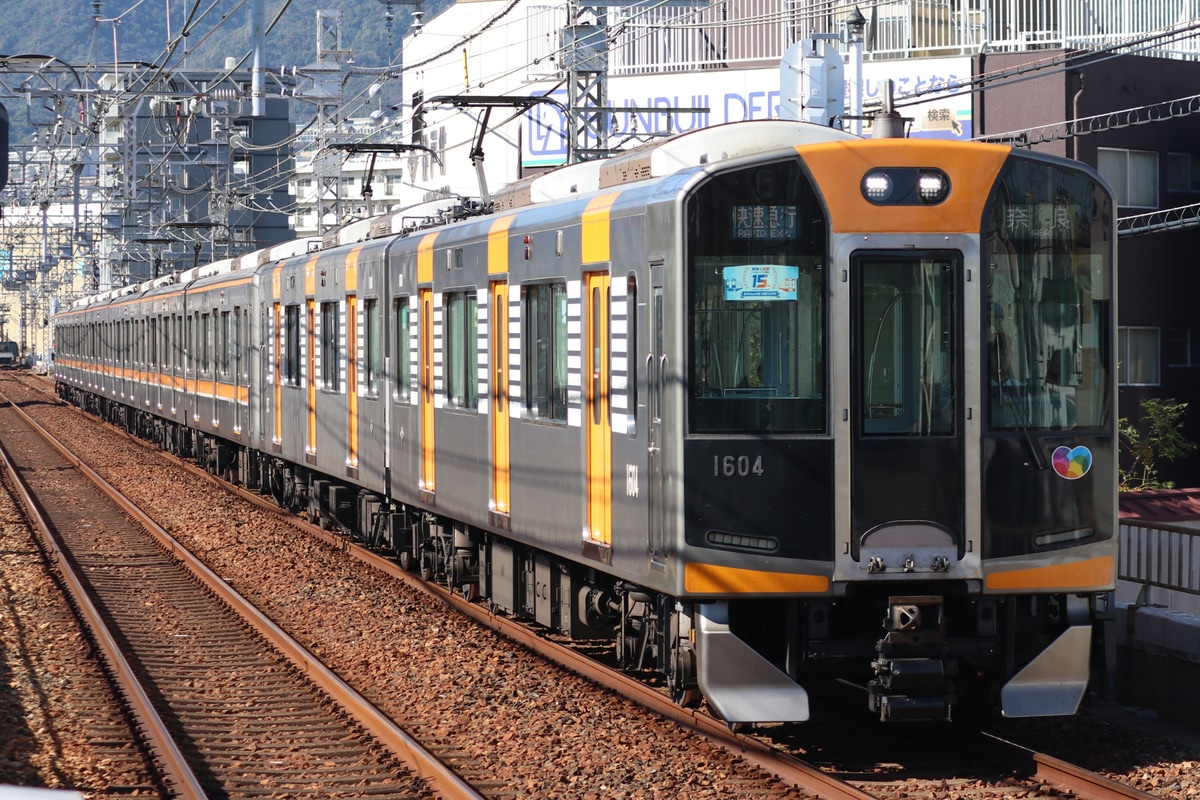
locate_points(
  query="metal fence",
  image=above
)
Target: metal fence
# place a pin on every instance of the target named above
(652, 38)
(1164, 556)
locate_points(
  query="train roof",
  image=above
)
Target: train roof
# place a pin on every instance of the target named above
(657, 159)
(665, 157)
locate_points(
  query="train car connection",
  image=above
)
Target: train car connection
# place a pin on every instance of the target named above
(764, 404)
(10, 355)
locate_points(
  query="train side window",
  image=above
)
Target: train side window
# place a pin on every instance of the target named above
(462, 349)
(240, 338)
(207, 344)
(331, 355)
(226, 342)
(291, 346)
(371, 345)
(633, 354)
(402, 350)
(544, 351)
(192, 352)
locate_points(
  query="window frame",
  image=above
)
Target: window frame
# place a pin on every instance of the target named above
(1125, 361)
(544, 387)
(372, 346)
(460, 336)
(1121, 183)
(1191, 357)
(402, 349)
(331, 350)
(291, 345)
(1183, 165)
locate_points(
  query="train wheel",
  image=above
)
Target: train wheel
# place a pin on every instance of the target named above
(682, 679)
(404, 559)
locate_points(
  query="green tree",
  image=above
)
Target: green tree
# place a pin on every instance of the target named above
(1161, 441)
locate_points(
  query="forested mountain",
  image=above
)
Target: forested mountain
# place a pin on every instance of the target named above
(98, 32)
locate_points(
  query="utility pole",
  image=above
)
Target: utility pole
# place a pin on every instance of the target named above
(585, 55)
(584, 44)
(327, 74)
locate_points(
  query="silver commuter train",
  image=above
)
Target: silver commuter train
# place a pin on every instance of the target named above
(763, 403)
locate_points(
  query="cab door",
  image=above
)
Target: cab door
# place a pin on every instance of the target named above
(907, 471)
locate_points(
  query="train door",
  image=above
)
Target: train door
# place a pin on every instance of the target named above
(192, 368)
(656, 368)
(310, 368)
(907, 472)
(498, 380)
(352, 362)
(598, 422)
(214, 333)
(426, 393)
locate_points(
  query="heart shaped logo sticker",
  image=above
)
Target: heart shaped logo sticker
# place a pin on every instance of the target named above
(1072, 463)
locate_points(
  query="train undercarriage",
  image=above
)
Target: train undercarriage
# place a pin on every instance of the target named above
(920, 651)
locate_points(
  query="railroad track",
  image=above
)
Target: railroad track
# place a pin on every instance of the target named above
(223, 712)
(1012, 769)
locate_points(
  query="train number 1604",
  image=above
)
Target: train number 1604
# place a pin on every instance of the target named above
(736, 466)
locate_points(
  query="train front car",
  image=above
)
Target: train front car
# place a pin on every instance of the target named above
(898, 462)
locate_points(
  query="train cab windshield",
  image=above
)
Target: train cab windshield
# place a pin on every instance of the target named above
(756, 240)
(1048, 300)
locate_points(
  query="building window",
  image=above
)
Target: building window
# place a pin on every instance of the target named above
(544, 351)
(402, 348)
(331, 378)
(372, 345)
(462, 350)
(1137, 356)
(1180, 350)
(1133, 175)
(1183, 172)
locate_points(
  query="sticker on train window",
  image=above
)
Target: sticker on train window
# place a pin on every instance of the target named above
(1072, 463)
(761, 282)
(765, 222)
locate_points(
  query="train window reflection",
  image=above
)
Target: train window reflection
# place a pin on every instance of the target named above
(1048, 312)
(756, 244)
(907, 321)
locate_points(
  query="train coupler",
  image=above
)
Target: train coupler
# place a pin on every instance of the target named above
(906, 689)
(912, 681)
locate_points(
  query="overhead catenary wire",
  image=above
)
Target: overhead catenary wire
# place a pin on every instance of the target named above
(811, 13)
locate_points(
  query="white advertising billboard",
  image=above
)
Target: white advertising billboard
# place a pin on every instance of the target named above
(737, 95)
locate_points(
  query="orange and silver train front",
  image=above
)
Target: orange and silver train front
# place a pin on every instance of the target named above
(899, 385)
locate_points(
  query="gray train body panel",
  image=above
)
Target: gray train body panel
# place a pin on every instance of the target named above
(743, 487)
